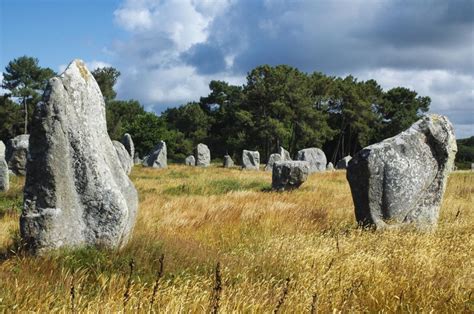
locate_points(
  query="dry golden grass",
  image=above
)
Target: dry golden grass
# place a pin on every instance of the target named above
(298, 251)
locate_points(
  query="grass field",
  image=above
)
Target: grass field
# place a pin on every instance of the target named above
(291, 252)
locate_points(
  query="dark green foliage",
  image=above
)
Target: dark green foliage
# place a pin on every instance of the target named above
(11, 119)
(120, 115)
(465, 154)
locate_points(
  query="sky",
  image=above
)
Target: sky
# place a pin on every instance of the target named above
(169, 50)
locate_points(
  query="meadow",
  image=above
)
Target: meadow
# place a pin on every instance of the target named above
(219, 240)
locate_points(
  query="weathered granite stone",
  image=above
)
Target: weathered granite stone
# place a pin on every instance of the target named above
(250, 160)
(203, 155)
(136, 159)
(228, 162)
(124, 157)
(4, 171)
(128, 143)
(271, 161)
(16, 154)
(190, 161)
(76, 192)
(289, 174)
(402, 179)
(158, 157)
(315, 157)
(343, 162)
(330, 167)
(285, 155)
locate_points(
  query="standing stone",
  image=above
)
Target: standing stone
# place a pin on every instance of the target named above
(316, 158)
(228, 162)
(288, 175)
(124, 157)
(128, 143)
(203, 155)
(190, 161)
(4, 172)
(136, 159)
(402, 179)
(17, 153)
(158, 158)
(343, 163)
(330, 167)
(285, 155)
(250, 160)
(76, 192)
(271, 161)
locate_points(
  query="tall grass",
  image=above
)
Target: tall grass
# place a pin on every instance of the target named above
(291, 252)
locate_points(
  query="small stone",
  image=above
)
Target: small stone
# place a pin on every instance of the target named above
(128, 143)
(250, 160)
(4, 171)
(343, 163)
(124, 157)
(17, 153)
(228, 162)
(330, 167)
(289, 175)
(316, 158)
(158, 157)
(136, 159)
(190, 161)
(271, 161)
(203, 155)
(285, 155)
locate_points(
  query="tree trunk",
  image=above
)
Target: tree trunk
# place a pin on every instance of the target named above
(26, 114)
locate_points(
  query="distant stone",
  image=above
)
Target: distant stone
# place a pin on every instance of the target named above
(250, 160)
(190, 161)
(17, 153)
(158, 157)
(330, 167)
(76, 191)
(315, 157)
(288, 175)
(285, 155)
(136, 159)
(343, 163)
(124, 157)
(203, 155)
(271, 161)
(4, 171)
(228, 162)
(402, 179)
(128, 143)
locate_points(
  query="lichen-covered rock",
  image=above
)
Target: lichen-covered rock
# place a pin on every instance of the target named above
(4, 171)
(76, 192)
(17, 153)
(271, 161)
(190, 161)
(330, 167)
(128, 144)
(316, 158)
(250, 160)
(203, 155)
(228, 162)
(124, 157)
(158, 157)
(343, 163)
(284, 154)
(402, 179)
(288, 175)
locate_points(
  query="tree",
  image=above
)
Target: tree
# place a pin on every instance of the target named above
(26, 80)
(120, 114)
(106, 78)
(11, 123)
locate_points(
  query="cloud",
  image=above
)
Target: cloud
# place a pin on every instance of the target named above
(176, 47)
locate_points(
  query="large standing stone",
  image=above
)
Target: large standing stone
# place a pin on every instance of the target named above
(125, 161)
(228, 162)
(128, 143)
(343, 163)
(285, 155)
(401, 180)
(250, 160)
(330, 167)
(288, 175)
(190, 161)
(271, 161)
(4, 172)
(203, 155)
(76, 192)
(17, 153)
(158, 157)
(315, 157)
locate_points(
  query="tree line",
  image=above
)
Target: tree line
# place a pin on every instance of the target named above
(277, 106)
